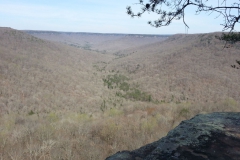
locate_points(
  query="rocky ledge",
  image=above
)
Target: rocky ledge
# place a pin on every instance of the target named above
(214, 136)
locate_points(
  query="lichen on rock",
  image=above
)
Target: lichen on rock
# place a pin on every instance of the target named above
(214, 136)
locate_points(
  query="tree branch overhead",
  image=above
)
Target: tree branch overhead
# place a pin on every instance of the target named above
(170, 10)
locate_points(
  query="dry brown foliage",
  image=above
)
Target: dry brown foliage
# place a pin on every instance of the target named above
(54, 105)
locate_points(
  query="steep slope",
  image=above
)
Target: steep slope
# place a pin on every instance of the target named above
(184, 68)
(42, 76)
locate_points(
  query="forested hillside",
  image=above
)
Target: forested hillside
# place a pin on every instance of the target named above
(73, 96)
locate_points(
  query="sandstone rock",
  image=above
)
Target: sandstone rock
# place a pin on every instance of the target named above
(214, 136)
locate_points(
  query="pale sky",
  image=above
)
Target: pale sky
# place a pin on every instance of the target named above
(105, 16)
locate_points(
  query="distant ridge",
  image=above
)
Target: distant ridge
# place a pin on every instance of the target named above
(103, 42)
(93, 33)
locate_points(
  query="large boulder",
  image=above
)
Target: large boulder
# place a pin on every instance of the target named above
(214, 136)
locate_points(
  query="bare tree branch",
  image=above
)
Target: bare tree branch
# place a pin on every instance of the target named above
(169, 10)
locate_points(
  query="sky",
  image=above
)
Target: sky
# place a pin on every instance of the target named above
(99, 16)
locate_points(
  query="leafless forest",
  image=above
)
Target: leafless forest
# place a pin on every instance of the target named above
(88, 95)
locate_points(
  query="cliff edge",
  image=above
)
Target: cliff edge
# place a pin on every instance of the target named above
(214, 136)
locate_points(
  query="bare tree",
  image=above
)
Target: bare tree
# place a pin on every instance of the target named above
(169, 10)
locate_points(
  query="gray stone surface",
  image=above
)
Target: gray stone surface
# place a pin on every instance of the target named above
(214, 136)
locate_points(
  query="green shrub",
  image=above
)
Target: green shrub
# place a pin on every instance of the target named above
(138, 95)
(31, 113)
(131, 92)
(124, 86)
(232, 37)
(116, 80)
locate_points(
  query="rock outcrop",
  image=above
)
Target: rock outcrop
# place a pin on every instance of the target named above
(214, 136)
